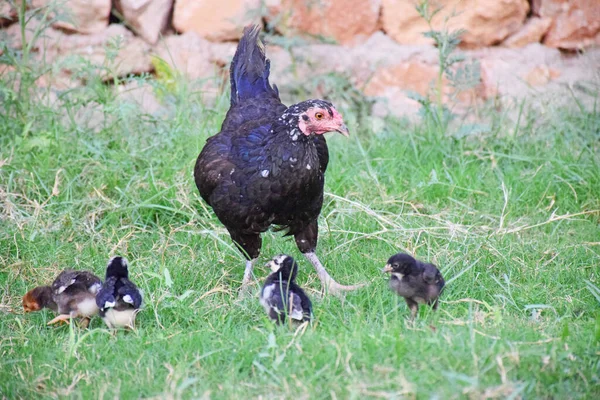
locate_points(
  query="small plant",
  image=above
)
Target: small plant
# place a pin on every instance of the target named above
(461, 75)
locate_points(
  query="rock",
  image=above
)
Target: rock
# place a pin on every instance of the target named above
(541, 75)
(487, 22)
(83, 16)
(8, 14)
(410, 75)
(131, 54)
(142, 95)
(532, 32)
(576, 23)
(345, 21)
(195, 57)
(147, 18)
(216, 20)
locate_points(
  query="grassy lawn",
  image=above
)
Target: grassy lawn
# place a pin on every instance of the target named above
(511, 217)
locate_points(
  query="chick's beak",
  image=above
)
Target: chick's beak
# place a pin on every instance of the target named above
(343, 129)
(387, 268)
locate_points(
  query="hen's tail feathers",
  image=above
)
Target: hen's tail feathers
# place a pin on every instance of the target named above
(249, 71)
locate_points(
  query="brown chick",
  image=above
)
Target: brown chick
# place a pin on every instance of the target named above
(38, 298)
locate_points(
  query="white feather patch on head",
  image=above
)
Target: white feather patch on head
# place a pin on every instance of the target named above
(123, 261)
(127, 299)
(264, 173)
(61, 289)
(276, 262)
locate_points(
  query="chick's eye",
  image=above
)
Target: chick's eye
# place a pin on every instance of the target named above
(319, 115)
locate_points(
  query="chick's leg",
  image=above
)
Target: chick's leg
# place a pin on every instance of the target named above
(307, 243)
(63, 318)
(413, 306)
(85, 322)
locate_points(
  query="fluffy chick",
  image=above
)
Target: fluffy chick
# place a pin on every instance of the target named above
(74, 293)
(119, 299)
(416, 281)
(280, 296)
(38, 298)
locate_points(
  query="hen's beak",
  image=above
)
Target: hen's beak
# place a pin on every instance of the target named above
(387, 268)
(343, 129)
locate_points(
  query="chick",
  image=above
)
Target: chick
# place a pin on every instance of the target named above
(74, 293)
(38, 298)
(281, 296)
(119, 299)
(416, 281)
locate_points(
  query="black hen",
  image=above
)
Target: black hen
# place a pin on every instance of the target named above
(416, 281)
(281, 296)
(119, 300)
(266, 166)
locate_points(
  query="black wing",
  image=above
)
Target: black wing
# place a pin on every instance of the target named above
(106, 296)
(129, 293)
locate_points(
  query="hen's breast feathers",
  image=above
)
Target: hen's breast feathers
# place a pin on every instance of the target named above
(261, 176)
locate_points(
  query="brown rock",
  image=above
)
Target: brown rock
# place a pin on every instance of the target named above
(131, 54)
(411, 75)
(532, 32)
(576, 23)
(216, 20)
(541, 75)
(147, 18)
(142, 95)
(83, 16)
(194, 56)
(344, 21)
(487, 21)
(8, 13)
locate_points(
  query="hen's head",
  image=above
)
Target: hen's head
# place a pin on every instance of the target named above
(315, 117)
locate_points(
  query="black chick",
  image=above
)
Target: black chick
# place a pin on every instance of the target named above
(280, 296)
(119, 300)
(74, 293)
(267, 164)
(416, 281)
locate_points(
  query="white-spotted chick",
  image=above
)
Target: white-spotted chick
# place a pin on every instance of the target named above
(119, 300)
(74, 293)
(418, 282)
(280, 296)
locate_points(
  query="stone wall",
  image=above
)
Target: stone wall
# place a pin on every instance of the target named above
(377, 44)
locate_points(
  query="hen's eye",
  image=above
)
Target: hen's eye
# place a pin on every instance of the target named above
(319, 115)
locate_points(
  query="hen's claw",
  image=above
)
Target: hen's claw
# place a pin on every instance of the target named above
(329, 284)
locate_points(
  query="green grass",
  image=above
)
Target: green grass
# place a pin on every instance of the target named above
(510, 216)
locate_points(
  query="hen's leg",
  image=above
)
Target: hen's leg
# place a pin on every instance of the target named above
(249, 245)
(248, 272)
(307, 243)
